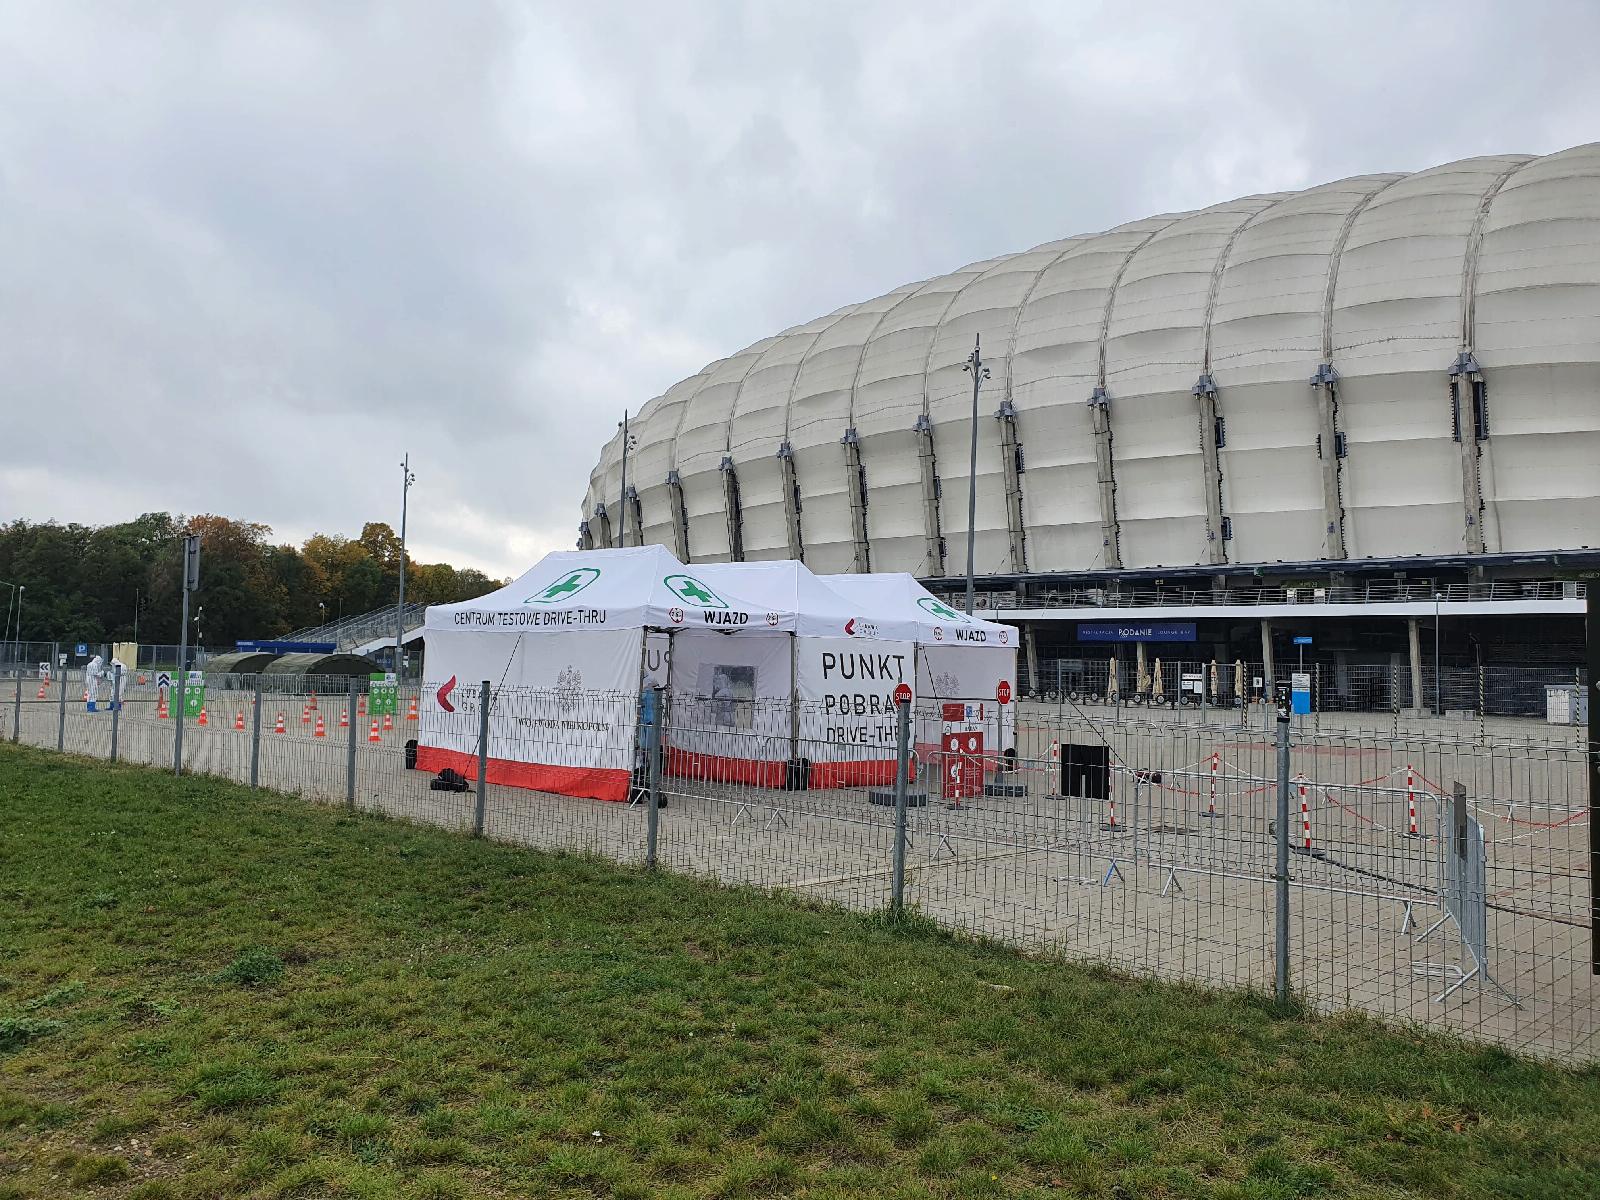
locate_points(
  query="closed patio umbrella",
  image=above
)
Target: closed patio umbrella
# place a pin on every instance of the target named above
(1156, 689)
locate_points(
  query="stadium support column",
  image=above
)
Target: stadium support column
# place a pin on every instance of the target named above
(929, 465)
(855, 478)
(602, 526)
(791, 502)
(585, 536)
(1266, 660)
(1330, 450)
(1110, 535)
(1205, 394)
(730, 500)
(1011, 459)
(1030, 638)
(1414, 637)
(632, 517)
(1466, 404)
(680, 516)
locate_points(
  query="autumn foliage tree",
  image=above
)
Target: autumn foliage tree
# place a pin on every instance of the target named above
(93, 584)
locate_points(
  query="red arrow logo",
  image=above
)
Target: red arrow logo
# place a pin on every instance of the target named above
(443, 695)
(850, 627)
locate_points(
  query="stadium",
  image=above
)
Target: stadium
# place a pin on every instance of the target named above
(1383, 390)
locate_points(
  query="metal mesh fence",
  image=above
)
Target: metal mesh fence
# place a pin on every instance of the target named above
(1110, 836)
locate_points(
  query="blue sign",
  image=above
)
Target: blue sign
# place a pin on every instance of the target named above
(271, 647)
(1149, 631)
(83, 649)
(1300, 692)
(1302, 641)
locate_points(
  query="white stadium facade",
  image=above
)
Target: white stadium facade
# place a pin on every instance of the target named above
(1389, 383)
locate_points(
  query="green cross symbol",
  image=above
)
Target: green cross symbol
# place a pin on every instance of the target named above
(573, 582)
(693, 591)
(569, 584)
(943, 612)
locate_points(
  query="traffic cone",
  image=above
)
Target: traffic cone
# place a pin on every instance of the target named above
(42, 691)
(411, 712)
(373, 736)
(313, 702)
(238, 721)
(278, 728)
(361, 705)
(305, 714)
(141, 678)
(388, 722)
(201, 719)
(321, 729)
(161, 705)
(86, 695)
(344, 718)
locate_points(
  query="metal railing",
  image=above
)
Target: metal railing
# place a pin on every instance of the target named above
(1375, 592)
(359, 629)
(1430, 879)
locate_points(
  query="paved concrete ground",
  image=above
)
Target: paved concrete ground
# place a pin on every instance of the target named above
(1157, 888)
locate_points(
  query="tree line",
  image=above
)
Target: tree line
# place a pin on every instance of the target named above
(104, 583)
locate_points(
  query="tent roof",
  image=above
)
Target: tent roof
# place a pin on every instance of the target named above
(821, 610)
(636, 587)
(899, 594)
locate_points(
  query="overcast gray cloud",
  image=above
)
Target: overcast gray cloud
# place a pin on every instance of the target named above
(251, 253)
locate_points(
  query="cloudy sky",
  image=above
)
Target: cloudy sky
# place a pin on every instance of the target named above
(249, 254)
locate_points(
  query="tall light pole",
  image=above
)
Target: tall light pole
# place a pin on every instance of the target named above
(627, 444)
(10, 602)
(400, 606)
(974, 364)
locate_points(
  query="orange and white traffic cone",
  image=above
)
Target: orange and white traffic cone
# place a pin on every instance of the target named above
(42, 692)
(313, 702)
(202, 719)
(141, 678)
(278, 728)
(411, 711)
(161, 705)
(238, 721)
(373, 736)
(305, 714)
(344, 718)
(361, 705)
(321, 729)
(388, 722)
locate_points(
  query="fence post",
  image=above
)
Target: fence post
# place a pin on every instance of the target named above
(16, 713)
(350, 747)
(255, 735)
(177, 717)
(483, 762)
(116, 706)
(902, 768)
(1281, 875)
(652, 742)
(61, 719)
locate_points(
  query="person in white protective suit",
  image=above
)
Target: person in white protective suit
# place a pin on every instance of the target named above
(92, 675)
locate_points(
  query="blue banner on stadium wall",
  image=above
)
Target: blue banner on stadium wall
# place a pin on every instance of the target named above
(279, 647)
(1149, 631)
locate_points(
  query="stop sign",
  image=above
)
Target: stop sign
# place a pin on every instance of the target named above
(1002, 693)
(902, 693)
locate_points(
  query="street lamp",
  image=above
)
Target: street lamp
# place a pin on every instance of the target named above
(979, 372)
(407, 479)
(10, 601)
(628, 442)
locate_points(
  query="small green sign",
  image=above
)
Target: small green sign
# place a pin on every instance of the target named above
(194, 694)
(383, 695)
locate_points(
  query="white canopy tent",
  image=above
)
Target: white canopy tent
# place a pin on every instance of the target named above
(564, 646)
(765, 664)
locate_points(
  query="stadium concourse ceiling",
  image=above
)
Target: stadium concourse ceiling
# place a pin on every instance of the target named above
(1383, 366)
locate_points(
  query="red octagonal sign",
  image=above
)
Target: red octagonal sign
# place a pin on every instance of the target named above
(1002, 693)
(902, 693)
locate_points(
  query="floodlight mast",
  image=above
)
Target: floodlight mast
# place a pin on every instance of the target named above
(979, 372)
(400, 604)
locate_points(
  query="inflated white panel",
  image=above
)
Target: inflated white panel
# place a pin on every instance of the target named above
(889, 388)
(952, 445)
(703, 436)
(708, 516)
(1402, 479)
(764, 527)
(655, 506)
(1271, 479)
(1161, 504)
(895, 522)
(824, 506)
(761, 416)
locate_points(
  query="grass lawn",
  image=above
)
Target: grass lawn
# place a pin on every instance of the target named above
(205, 993)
